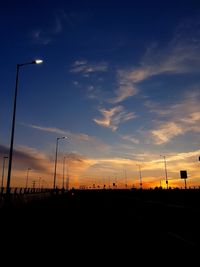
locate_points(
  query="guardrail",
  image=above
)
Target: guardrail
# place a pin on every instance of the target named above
(19, 195)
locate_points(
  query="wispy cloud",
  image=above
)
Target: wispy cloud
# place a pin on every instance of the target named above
(177, 119)
(111, 118)
(73, 137)
(47, 129)
(80, 136)
(80, 166)
(40, 37)
(45, 36)
(96, 92)
(92, 92)
(184, 156)
(76, 83)
(26, 156)
(179, 56)
(130, 138)
(152, 168)
(126, 89)
(165, 132)
(84, 67)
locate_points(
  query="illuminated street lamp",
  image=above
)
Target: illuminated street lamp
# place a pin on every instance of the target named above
(37, 61)
(164, 157)
(54, 181)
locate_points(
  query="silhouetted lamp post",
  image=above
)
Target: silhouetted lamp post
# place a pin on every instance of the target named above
(29, 169)
(37, 61)
(39, 182)
(63, 172)
(139, 166)
(4, 159)
(164, 157)
(54, 181)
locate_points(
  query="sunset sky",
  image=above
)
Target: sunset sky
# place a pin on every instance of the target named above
(120, 79)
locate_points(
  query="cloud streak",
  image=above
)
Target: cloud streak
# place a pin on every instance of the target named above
(126, 89)
(151, 165)
(179, 56)
(178, 119)
(79, 167)
(24, 156)
(45, 36)
(80, 137)
(165, 132)
(111, 118)
(130, 138)
(86, 68)
(73, 137)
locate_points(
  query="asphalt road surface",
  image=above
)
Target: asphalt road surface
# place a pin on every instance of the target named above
(106, 223)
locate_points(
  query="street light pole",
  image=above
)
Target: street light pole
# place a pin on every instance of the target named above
(63, 172)
(4, 159)
(125, 174)
(39, 182)
(67, 180)
(164, 157)
(56, 156)
(29, 169)
(38, 61)
(139, 166)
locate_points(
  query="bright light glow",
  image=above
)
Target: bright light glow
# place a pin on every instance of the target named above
(38, 61)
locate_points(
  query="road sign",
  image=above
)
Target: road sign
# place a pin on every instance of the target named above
(183, 174)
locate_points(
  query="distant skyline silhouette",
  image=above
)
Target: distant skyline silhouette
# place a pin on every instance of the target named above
(119, 79)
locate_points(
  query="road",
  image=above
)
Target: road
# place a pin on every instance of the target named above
(100, 221)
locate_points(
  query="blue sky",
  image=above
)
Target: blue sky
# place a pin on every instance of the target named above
(120, 79)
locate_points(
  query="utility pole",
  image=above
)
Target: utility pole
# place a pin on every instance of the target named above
(39, 182)
(165, 164)
(29, 169)
(4, 160)
(125, 176)
(140, 175)
(33, 184)
(67, 180)
(63, 173)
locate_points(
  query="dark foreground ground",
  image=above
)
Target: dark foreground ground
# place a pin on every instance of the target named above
(106, 223)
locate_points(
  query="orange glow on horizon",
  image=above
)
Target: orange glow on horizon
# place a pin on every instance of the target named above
(85, 171)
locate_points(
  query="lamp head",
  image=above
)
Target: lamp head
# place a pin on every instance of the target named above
(63, 137)
(38, 61)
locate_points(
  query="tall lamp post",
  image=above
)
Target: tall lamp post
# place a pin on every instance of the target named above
(37, 61)
(39, 182)
(67, 180)
(63, 172)
(166, 178)
(4, 159)
(54, 181)
(29, 169)
(139, 166)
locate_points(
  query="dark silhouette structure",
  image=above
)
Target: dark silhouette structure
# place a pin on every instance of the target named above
(4, 160)
(13, 121)
(56, 157)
